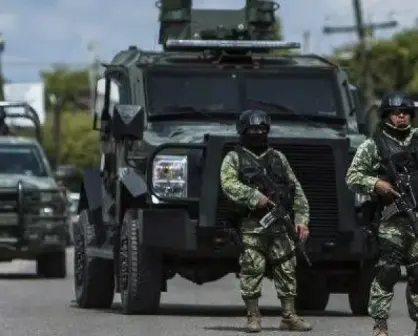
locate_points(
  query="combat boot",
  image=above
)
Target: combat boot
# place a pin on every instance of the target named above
(381, 328)
(253, 316)
(291, 321)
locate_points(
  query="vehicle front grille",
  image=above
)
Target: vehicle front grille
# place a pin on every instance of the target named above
(8, 202)
(314, 166)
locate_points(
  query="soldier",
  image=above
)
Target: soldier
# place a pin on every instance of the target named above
(264, 247)
(368, 175)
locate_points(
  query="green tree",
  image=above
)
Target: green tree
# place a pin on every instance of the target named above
(79, 142)
(64, 82)
(393, 63)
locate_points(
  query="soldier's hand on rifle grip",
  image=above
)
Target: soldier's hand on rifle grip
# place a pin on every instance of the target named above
(384, 188)
(264, 201)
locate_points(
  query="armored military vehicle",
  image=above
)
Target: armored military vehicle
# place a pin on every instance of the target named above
(154, 208)
(32, 210)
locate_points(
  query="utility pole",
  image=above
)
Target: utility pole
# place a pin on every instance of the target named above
(93, 72)
(363, 31)
(306, 46)
(2, 45)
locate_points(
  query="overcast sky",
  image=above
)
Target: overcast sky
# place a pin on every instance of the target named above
(41, 32)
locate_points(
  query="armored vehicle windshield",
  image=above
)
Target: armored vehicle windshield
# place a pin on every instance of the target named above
(231, 90)
(222, 82)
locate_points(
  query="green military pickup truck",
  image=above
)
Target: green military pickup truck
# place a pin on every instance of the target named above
(33, 211)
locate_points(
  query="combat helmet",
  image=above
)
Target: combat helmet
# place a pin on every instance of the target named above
(250, 118)
(396, 101)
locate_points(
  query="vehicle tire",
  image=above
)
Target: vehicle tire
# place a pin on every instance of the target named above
(52, 265)
(140, 270)
(359, 292)
(94, 282)
(312, 291)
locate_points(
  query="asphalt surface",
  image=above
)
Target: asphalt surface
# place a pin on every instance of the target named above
(32, 307)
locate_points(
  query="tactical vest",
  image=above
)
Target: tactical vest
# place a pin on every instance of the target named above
(386, 147)
(273, 168)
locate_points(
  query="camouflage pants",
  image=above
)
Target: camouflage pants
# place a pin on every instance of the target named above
(260, 252)
(397, 246)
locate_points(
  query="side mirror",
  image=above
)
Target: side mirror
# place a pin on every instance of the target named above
(104, 88)
(128, 122)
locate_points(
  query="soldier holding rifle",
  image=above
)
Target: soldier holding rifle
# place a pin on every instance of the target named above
(268, 196)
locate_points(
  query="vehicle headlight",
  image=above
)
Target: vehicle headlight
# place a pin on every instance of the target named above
(46, 211)
(360, 199)
(169, 176)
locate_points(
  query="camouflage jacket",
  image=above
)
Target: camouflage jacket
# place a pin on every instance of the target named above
(242, 194)
(362, 175)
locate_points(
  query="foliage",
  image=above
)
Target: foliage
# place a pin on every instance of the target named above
(393, 63)
(79, 143)
(61, 81)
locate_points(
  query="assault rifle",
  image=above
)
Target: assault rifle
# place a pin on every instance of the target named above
(400, 166)
(277, 214)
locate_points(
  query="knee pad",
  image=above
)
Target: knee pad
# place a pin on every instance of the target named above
(388, 275)
(412, 274)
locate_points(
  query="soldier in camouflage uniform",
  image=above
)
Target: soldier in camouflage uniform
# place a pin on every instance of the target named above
(367, 175)
(264, 247)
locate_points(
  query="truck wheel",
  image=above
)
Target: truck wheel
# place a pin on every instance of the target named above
(52, 265)
(312, 292)
(359, 292)
(94, 282)
(140, 270)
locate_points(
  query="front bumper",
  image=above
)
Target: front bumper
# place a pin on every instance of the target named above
(32, 221)
(335, 235)
(173, 232)
(37, 237)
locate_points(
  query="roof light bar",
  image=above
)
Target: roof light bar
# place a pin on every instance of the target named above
(172, 44)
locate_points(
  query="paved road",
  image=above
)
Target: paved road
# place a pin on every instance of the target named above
(32, 307)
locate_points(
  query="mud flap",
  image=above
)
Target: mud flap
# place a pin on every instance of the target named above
(134, 183)
(91, 197)
(168, 228)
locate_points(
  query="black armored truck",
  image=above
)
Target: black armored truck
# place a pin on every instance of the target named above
(33, 212)
(154, 208)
